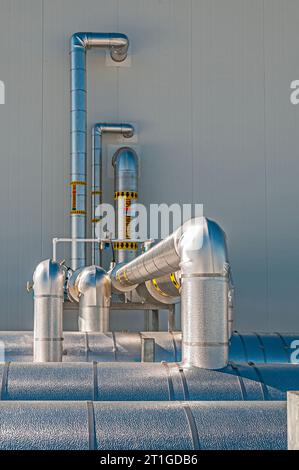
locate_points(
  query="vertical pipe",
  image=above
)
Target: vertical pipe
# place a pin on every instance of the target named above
(126, 167)
(80, 42)
(48, 288)
(94, 287)
(204, 295)
(126, 130)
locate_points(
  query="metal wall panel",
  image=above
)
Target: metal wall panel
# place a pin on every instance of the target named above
(21, 162)
(208, 88)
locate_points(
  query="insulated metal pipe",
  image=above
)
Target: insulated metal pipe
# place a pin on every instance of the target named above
(164, 289)
(126, 169)
(145, 382)
(91, 287)
(126, 130)
(48, 288)
(260, 348)
(118, 45)
(198, 249)
(161, 426)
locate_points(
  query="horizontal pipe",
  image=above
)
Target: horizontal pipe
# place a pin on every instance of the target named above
(161, 426)
(77, 347)
(145, 382)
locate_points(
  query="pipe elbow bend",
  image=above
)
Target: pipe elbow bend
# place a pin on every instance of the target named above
(118, 43)
(201, 244)
(125, 159)
(48, 279)
(94, 287)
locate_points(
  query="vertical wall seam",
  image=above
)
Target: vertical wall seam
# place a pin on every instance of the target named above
(191, 104)
(266, 170)
(42, 125)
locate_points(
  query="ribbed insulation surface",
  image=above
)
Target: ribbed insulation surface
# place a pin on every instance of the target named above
(145, 382)
(123, 347)
(169, 426)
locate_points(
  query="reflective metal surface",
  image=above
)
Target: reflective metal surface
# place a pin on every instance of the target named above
(91, 286)
(80, 42)
(48, 288)
(124, 381)
(126, 171)
(118, 346)
(198, 249)
(126, 130)
(170, 426)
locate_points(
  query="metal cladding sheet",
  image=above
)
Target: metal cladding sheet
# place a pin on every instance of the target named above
(161, 426)
(144, 382)
(108, 347)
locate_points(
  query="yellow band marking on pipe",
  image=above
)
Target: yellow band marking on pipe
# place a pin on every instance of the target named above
(155, 284)
(82, 183)
(77, 212)
(126, 245)
(175, 281)
(125, 194)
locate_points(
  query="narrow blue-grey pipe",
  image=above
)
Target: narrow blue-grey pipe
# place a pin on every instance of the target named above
(145, 382)
(118, 45)
(161, 426)
(126, 347)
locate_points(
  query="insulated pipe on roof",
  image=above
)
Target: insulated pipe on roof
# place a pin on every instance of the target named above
(161, 426)
(126, 130)
(146, 381)
(198, 249)
(118, 45)
(259, 348)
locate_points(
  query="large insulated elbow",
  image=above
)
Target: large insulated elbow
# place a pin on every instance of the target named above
(94, 291)
(48, 288)
(198, 250)
(204, 294)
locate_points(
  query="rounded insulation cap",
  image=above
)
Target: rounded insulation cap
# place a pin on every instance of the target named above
(48, 278)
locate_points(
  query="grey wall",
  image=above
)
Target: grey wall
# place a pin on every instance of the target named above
(209, 90)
